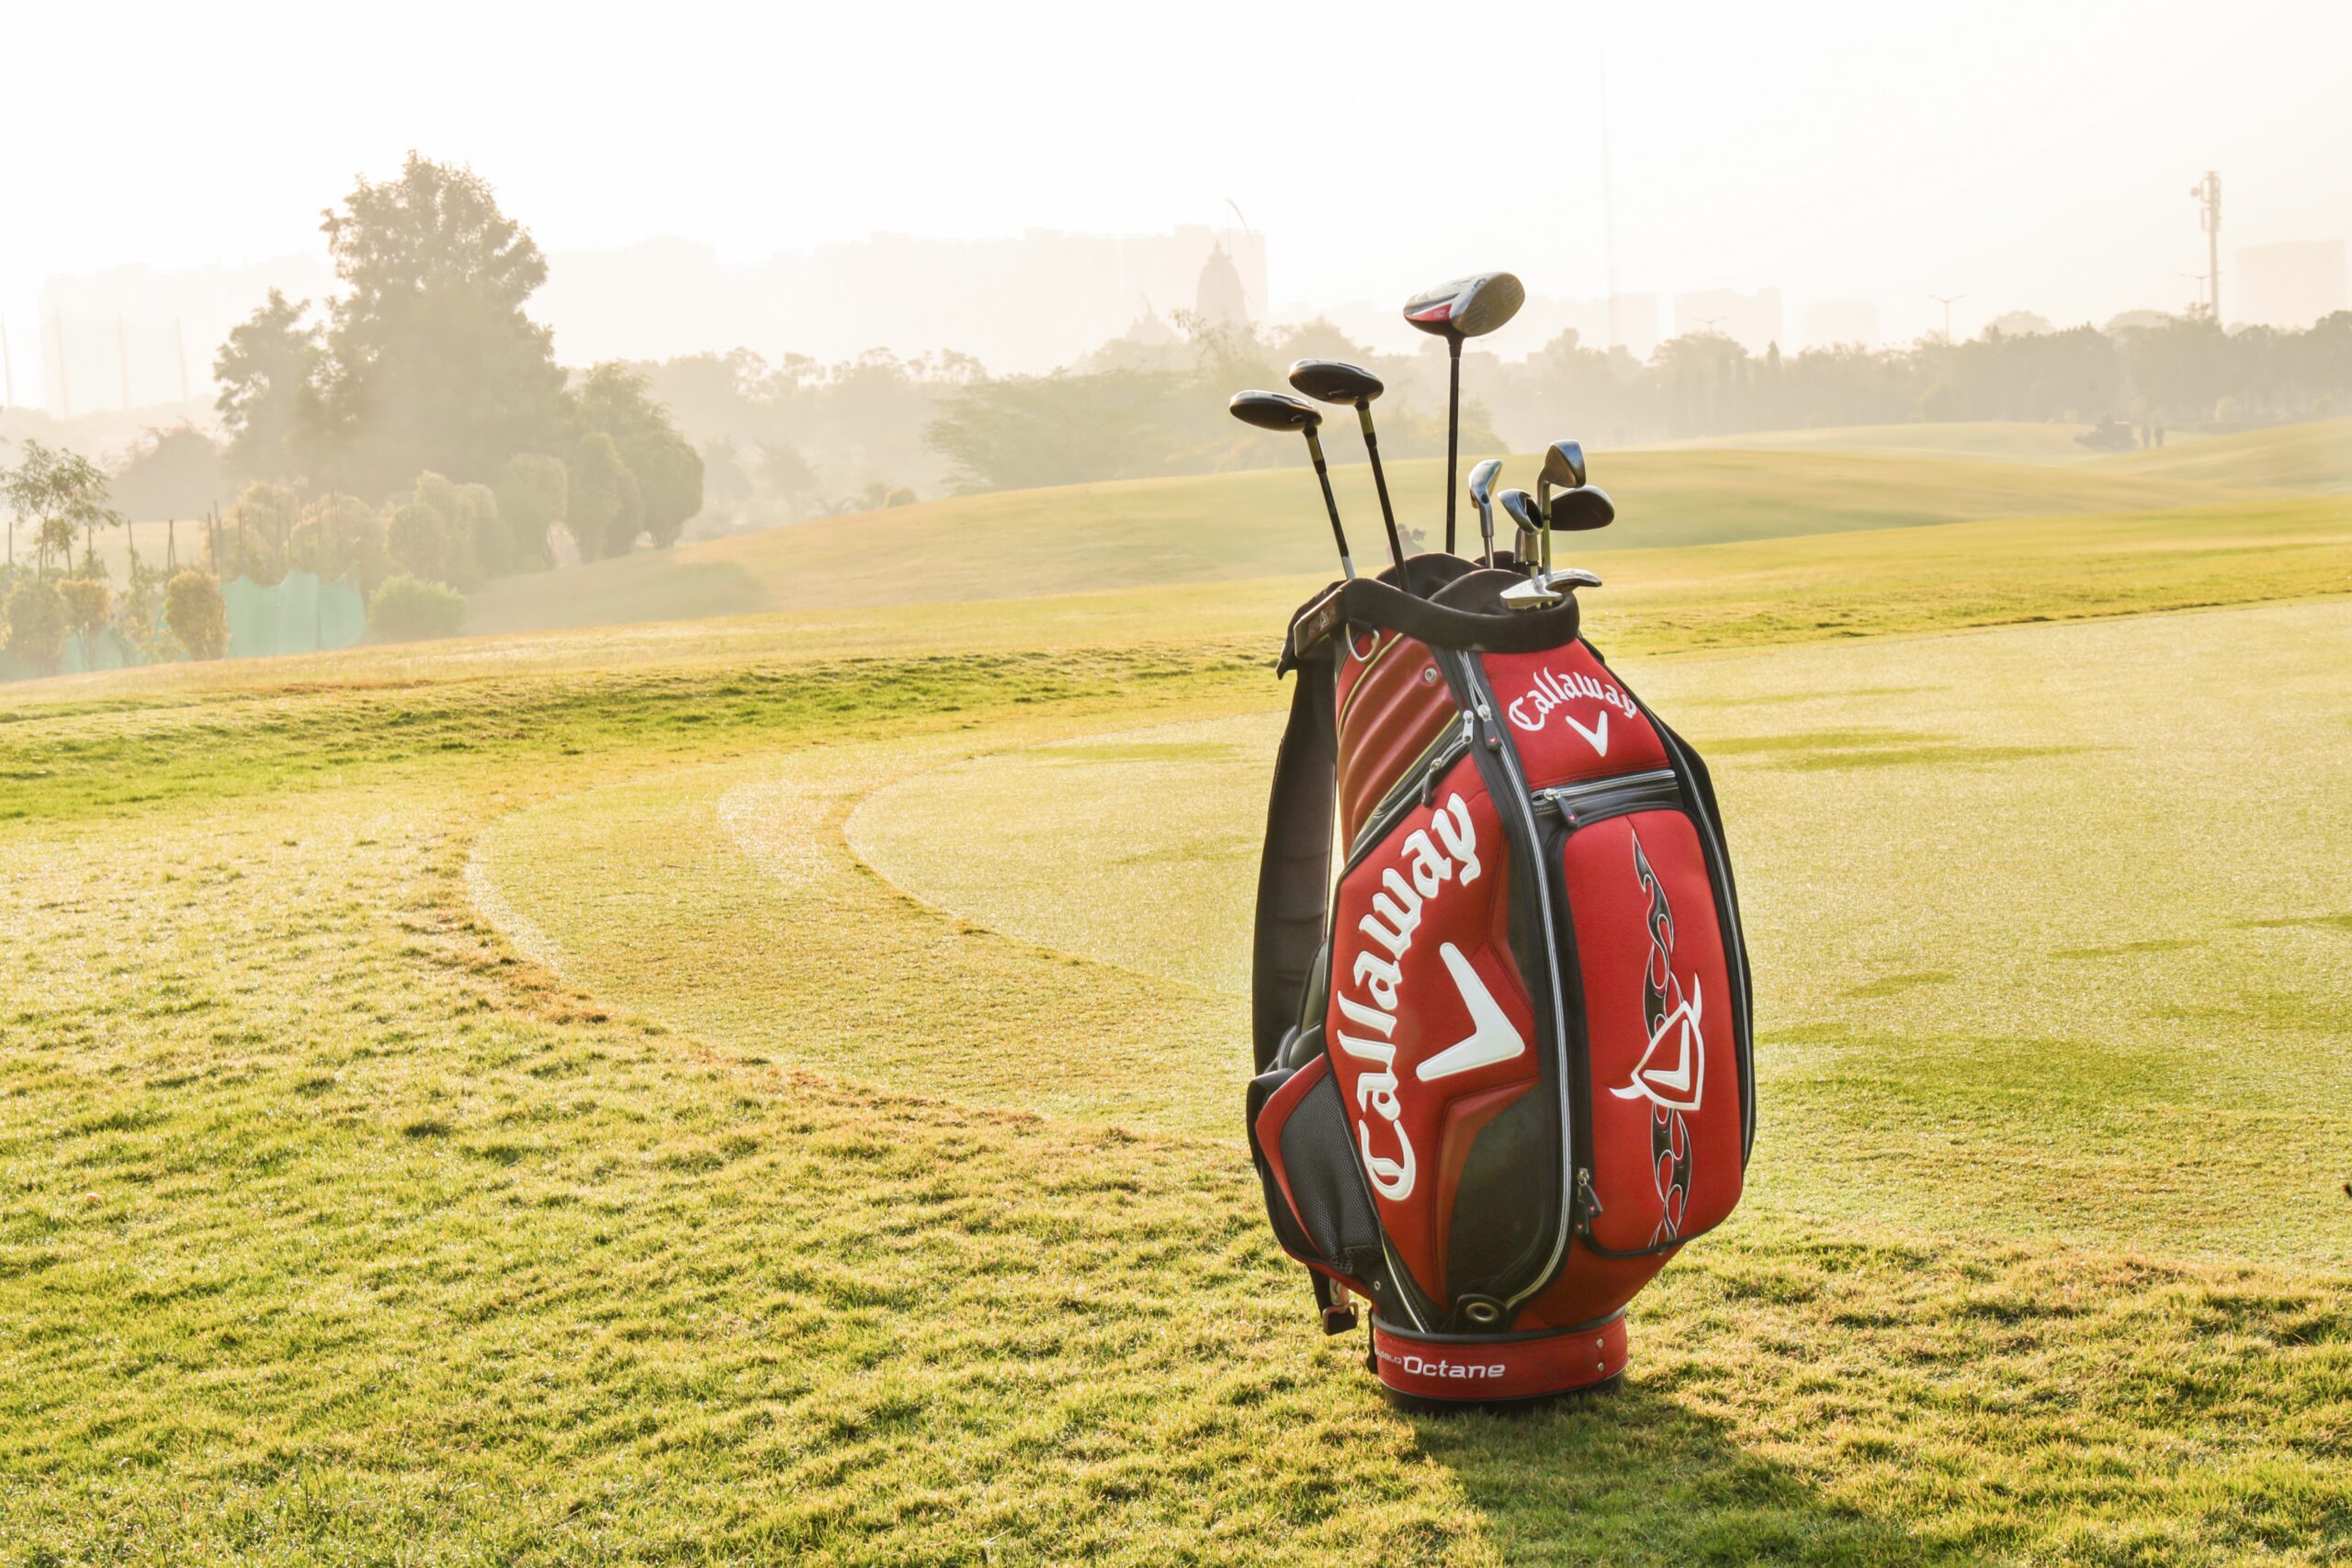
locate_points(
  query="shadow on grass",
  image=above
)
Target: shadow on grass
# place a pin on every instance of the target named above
(1630, 1475)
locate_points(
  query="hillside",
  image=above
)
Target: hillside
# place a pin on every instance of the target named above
(2316, 455)
(2003, 441)
(1267, 523)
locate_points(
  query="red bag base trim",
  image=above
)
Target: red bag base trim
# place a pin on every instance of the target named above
(1452, 1372)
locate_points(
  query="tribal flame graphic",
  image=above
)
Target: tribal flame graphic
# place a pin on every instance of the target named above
(1664, 1011)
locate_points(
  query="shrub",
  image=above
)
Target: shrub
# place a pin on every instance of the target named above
(195, 611)
(36, 625)
(87, 603)
(407, 608)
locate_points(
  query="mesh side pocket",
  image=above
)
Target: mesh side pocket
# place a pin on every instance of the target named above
(1315, 1195)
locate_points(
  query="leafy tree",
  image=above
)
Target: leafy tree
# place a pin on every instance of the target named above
(252, 539)
(86, 603)
(197, 614)
(618, 403)
(270, 371)
(604, 511)
(407, 608)
(139, 607)
(432, 533)
(62, 492)
(433, 366)
(342, 535)
(36, 625)
(168, 473)
(532, 492)
(786, 472)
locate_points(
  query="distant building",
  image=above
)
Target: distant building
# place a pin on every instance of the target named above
(1219, 299)
(1752, 320)
(2291, 285)
(1841, 323)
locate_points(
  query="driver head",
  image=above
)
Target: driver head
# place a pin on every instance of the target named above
(1329, 381)
(1482, 481)
(1274, 411)
(1468, 307)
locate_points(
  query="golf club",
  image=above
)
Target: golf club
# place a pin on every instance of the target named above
(1329, 381)
(1519, 507)
(1276, 411)
(1563, 470)
(1465, 308)
(1482, 485)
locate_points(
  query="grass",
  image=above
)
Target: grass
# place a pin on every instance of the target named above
(2314, 457)
(698, 1093)
(2003, 441)
(1031, 544)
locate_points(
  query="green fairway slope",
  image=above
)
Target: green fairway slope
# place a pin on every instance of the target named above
(2001, 441)
(2316, 455)
(1134, 534)
(472, 1104)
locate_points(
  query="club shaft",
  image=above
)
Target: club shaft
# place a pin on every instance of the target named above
(1380, 483)
(1453, 429)
(1330, 502)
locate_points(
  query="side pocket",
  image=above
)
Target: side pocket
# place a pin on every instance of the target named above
(1315, 1196)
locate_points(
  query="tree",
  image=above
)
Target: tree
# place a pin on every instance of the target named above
(168, 473)
(432, 364)
(532, 492)
(270, 371)
(86, 603)
(604, 513)
(252, 539)
(618, 402)
(342, 535)
(430, 534)
(36, 625)
(406, 608)
(197, 614)
(62, 492)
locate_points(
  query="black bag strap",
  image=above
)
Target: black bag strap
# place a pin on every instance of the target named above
(1293, 875)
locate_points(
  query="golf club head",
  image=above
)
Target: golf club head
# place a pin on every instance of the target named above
(1564, 465)
(1482, 481)
(1575, 577)
(1532, 594)
(1585, 507)
(1468, 307)
(1520, 506)
(1330, 381)
(1273, 411)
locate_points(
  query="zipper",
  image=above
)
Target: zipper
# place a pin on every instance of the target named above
(1506, 754)
(1411, 789)
(1593, 800)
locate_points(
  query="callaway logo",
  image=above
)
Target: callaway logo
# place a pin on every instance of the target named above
(1395, 916)
(1552, 690)
(1671, 1090)
(1667, 1012)
(1492, 1037)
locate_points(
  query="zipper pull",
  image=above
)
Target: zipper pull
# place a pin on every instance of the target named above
(1587, 1199)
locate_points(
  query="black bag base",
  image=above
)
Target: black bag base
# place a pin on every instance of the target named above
(1428, 1373)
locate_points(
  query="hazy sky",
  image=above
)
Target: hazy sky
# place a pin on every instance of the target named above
(2024, 155)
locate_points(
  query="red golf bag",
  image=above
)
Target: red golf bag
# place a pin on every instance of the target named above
(1503, 1066)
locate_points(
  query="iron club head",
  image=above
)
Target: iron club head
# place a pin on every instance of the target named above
(1482, 485)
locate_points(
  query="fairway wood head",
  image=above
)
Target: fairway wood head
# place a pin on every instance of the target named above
(1273, 411)
(1330, 381)
(1468, 307)
(1585, 507)
(1482, 481)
